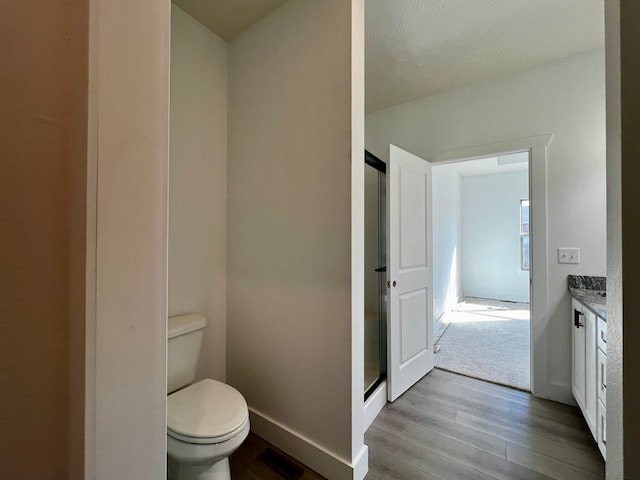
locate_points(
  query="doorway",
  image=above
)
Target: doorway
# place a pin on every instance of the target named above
(481, 239)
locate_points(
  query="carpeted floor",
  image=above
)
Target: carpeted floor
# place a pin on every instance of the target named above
(487, 339)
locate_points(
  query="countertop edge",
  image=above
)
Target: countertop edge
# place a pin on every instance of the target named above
(586, 297)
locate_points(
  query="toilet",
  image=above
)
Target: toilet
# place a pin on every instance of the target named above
(207, 420)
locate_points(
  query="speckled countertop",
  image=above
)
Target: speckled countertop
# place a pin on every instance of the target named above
(591, 292)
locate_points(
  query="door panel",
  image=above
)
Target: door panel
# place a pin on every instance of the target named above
(410, 335)
(413, 308)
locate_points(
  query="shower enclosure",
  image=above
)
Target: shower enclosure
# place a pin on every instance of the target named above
(375, 274)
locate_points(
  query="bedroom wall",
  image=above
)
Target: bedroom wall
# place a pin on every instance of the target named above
(491, 236)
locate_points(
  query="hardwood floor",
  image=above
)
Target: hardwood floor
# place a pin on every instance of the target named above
(451, 427)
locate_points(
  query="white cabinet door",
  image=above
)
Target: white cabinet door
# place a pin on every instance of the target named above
(601, 384)
(602, 429)
(410, 312)
(591, 375)
(578, 384)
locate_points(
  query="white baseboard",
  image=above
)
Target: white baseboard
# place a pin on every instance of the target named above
(509, 297)
(559, 392)
(361, 464)
(556, 391)
(374, 404)
(306, 451)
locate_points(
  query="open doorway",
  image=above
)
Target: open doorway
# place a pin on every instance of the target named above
(481, 238)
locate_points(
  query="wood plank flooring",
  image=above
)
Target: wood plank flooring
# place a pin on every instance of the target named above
(449, 427)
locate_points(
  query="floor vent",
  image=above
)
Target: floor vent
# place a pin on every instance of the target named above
(281, 464)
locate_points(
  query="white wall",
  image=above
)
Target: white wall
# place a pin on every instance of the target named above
(290, 332)
(491, 236)
(198, 183)
(127, 197)
(447, 239)
(563, 98)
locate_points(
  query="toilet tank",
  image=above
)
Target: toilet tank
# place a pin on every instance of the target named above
(184, 334)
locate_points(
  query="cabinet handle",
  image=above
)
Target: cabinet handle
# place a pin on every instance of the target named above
(576, 318)
(604, 340)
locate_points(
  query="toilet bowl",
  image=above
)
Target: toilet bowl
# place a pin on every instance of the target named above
(207, 420)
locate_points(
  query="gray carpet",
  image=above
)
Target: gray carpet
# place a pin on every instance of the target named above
(487, 339)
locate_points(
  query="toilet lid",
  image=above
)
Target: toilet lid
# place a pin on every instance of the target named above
(207, 409)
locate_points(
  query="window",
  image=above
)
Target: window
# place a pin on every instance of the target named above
(524, 234)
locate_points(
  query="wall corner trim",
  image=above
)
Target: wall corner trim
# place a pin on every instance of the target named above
(306, 451)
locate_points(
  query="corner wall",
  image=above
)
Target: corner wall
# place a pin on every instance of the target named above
(565, 98)
(289, 340)
(126, 339)
(198, 183)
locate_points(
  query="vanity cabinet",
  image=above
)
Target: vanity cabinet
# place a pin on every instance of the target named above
(589, 368)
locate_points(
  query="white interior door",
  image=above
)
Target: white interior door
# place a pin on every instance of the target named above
(410, 312)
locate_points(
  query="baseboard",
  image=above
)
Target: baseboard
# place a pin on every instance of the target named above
(559, 392)
(306, 451)
(500, 296)
(556, 391)
(374, 404)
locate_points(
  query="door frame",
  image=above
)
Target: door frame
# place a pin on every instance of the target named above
(377, 164)
(539, 321)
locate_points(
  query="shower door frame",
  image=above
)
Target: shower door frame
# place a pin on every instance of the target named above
(381, 167)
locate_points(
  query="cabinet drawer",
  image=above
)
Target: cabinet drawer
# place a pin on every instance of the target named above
(602, 429)
(602, 335)
(602, 377)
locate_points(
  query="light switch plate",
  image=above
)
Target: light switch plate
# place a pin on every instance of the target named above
(568, 255)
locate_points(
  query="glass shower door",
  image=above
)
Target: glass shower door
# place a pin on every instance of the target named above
(375, 308)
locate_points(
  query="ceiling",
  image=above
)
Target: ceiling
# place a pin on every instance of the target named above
(418, 48)
(513, 162)
(228, 18)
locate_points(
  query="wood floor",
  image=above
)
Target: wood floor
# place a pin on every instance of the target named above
(450, 427)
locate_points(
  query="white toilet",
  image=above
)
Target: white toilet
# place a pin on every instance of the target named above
(206, 421)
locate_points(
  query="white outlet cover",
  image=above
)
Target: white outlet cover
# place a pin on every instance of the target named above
(569, 255)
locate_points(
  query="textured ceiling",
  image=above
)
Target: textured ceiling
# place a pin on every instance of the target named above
(417, 48)
(513, 162)
(228, 18)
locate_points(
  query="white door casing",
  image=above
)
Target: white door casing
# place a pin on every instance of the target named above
(410, 278)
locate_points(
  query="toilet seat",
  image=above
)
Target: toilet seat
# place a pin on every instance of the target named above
(206, 412)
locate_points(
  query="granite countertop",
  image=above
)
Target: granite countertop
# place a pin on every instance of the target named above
(591, 292)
